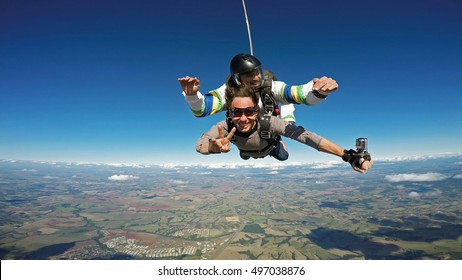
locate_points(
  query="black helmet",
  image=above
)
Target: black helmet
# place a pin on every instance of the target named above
(244, 63)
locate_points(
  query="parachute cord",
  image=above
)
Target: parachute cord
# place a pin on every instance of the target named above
(248, 27)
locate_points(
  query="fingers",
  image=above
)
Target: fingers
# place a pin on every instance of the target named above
(184, 80)
(325, 84)
(189, 81)
(221, 144)
(359, 169)
(230, 135)
(189, 84)
(224, 143)
(367, 164)
(363, 165)
(213, 145)
(220, 132)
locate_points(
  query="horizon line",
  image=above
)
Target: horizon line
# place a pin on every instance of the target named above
(254, 164)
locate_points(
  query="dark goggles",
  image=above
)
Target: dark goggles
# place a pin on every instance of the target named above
(251, 72)
(248, 112)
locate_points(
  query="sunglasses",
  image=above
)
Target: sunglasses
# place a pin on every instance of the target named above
(248, 112)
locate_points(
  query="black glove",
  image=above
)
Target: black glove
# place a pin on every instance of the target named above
(352, 157)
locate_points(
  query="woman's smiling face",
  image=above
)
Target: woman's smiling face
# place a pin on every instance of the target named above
(243, 113)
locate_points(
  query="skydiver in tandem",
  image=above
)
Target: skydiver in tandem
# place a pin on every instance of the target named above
(245, 129)
(247, 70)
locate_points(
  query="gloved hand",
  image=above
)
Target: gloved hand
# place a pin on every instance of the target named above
(360, 162)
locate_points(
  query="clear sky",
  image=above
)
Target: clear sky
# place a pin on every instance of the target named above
(96, 81)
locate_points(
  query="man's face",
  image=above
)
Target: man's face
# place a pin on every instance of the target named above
(252, 78)
(243, 113)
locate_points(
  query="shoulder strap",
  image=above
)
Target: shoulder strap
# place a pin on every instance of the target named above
(265, 130)
(270, 105)
(230, 127)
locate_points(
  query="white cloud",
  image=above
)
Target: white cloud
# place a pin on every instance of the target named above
(29, 170)
(132, 165)
(179, 182)
(275, 165)
(122, 177)
(414, 194)
(412, 177)
(327, 164)
(419, 157)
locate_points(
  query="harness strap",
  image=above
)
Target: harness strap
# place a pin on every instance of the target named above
(270, 105)
(270, 140)
(265, 132)
(269, 147)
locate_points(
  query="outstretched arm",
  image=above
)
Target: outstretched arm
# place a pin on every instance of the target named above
(324, 145)
(311, 93)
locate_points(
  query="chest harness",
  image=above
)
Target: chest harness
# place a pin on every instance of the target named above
(270, 108)
(270, 105)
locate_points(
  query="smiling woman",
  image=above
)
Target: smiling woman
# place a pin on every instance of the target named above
(243, 108)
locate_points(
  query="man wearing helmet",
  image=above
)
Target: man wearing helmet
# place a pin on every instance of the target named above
(247, 69)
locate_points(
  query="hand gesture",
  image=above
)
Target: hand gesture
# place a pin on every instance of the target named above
(221, 145)
(324, 85)
(189, 85)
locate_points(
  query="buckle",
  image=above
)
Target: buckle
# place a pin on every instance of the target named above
(265, 134)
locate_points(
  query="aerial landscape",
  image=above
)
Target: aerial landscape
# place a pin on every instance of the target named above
(401, 209)
(97, 140)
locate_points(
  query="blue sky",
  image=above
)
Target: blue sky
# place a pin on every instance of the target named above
(96, 81)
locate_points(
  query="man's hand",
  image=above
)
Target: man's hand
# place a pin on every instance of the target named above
(360, 162)
(363, 165)
(324, 85)
(189, 85)
(221, 145)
